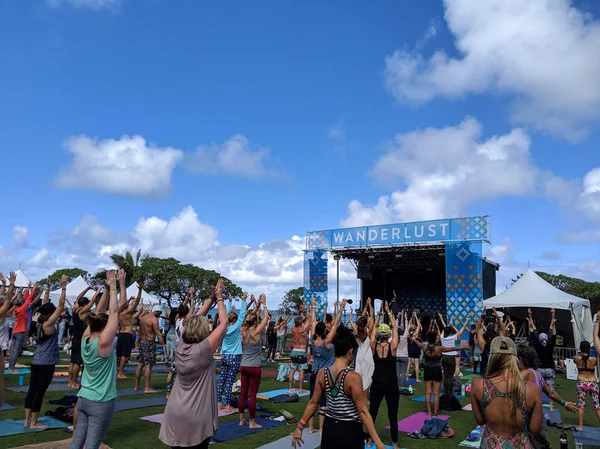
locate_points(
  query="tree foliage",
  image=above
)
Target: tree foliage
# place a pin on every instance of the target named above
(292, 299)
(573, 286)
(170, 280)
(130, 263)
(71, 273)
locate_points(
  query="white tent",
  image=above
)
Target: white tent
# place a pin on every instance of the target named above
(147, 298)
(22, 280)
(74, 288)
(531, 291)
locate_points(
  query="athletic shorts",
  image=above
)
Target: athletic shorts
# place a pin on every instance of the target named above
(299, 360)
(432, 374)
(147, 352)
(124, 345)
(312, 383)
(76, 352)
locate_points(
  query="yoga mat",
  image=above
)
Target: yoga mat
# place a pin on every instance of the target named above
(469, 370)
(372, 447)
(61, 374)
(413, 423)
(132, 392)
(589, 436)
(545, 398)
(232, 429)
(422, 398)
(6, 406)
(159, 417)
(468, 408)
(311, 441)
(468, 377)
(19, 371)
(12, 427)
(64, 379)
(554, 415)
(476, 433)
(132, 369)
(132, 404)
(270, 373)
(271, 394)
(52, 387)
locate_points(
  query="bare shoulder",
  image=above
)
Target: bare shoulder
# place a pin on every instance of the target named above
(532, 389)
(477, 383)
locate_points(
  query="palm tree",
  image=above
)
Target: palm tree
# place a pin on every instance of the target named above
(128, 263)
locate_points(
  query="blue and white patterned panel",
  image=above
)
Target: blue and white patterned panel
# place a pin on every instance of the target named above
(464, 280)
(315, 279)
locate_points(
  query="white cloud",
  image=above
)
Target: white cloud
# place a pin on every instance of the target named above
(590, 196)
(235, 157)
(441, 171)
(127, 166)
(541, 53)
(20, 234)
(90, 4)
(337, 131)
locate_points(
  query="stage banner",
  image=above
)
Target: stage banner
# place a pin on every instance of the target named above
(315, 280)
(454, 229)
(464, 282)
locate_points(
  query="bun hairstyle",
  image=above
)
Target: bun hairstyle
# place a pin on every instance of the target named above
(431, 337)
(585, 346)
(232, 318)
(183, 310)
(97, 321)
(45, 311)
(83, 302)
(251, 320)
(361, 326)
(298, 321)
(343, 342)
(321, 330)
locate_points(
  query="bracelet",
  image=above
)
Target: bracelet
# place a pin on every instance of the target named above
(563, 402)
(301, 424)
(113, 290)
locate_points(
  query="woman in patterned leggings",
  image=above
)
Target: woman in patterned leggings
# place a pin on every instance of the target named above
(231, 351)
(587, 383)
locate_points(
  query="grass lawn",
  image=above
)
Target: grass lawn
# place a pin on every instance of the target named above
(129, 432)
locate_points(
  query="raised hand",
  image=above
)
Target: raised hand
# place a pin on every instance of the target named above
(552, 311)
(244, 296)
(219, 289)
(12, 278)
(121, 276)
(111, 279)
(48, 282)
(64, 281)
(529, 312)
(191, 292)
(263, 299)
(344, 302)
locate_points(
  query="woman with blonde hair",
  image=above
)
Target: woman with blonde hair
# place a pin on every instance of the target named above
(507, 405)
(250, 371)
(191, 415)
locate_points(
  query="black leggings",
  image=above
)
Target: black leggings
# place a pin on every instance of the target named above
(271, 351)
(41, 376)
(392, 398)
(203, 445)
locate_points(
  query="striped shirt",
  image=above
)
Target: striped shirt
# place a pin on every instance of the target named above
(339, 405)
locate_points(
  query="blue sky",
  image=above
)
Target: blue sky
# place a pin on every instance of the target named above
(270, 118)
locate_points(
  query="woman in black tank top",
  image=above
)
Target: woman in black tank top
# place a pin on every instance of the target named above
(385, 379)
(587, 382)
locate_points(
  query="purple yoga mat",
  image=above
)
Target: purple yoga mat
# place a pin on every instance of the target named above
(413, 423)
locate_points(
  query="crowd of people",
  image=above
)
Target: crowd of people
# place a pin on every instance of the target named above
(384, 348)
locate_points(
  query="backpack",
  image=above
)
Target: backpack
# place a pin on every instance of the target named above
(64, 414)
(286, 397)
(449, 402)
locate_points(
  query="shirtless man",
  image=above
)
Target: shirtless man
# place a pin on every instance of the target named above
(299, 357)
(149, 332)
(127, 316)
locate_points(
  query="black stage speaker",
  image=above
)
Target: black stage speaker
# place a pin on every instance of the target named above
(364, 274)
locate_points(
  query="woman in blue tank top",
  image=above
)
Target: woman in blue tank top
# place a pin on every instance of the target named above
(323, 352)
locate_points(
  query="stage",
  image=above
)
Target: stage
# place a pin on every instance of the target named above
(434, 266)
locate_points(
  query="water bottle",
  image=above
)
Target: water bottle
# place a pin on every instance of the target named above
(410, 390)
(21, 380)
(462, 390)
(564, 443)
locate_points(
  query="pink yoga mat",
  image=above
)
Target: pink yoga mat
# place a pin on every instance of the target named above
(413, 423)
(270, 373)
(158, 418)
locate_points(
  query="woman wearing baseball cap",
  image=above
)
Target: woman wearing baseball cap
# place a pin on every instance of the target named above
(507, 405)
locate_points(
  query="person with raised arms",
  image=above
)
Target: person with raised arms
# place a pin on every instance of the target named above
(149, 333)
(299, 359)
(45, 358)
(96, 398)
(347, 410)
(6, 307)
(127, 317)
(191, 416)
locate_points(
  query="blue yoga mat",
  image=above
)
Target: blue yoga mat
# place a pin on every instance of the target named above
(366, 447)
(132, 404)
(12, 427)
(20, 371)
(554, 415)
(132, 369)
(311, 441)
(132, 392)
(272, 394)
(6, 406)
(589, 436)
(232, 429)
(422, 398)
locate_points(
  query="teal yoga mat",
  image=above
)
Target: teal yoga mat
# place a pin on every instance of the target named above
(132, 392)
(11, 427)
(51, 387)
(272, 394)
(6, 406)
(589, 436)
(20, 371)
(422, 398)
(311, 441)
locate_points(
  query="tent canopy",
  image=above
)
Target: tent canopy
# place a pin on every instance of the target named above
(147, 298)
(22, 280)
(74, 288)
(531, 291)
